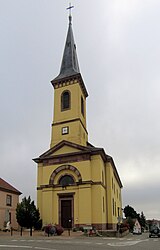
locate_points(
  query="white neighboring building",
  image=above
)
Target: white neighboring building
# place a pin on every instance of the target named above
(137, 227)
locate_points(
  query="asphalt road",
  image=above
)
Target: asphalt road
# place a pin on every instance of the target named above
(130, 242)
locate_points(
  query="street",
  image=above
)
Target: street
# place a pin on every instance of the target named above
(130, 242)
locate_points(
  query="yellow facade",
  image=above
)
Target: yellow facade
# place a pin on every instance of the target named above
(77, 183)
(72, 117)
(95, 194)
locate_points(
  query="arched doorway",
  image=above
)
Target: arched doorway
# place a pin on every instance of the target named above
(67, 177)
(66, 201)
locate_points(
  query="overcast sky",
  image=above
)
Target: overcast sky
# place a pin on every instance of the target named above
(118, 46)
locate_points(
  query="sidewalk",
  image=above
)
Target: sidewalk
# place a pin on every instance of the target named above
(40, 234)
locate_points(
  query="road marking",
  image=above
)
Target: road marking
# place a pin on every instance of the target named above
(126, 243)
(26, 247)
(122, 244)
(44, 248)
(108, 238)
(15, 246)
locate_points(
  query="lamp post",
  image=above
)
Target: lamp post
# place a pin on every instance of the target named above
(119, 218)
(69, 226)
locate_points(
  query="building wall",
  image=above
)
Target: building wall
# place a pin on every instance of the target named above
(92, 199)
(113, 197)
(72, 117)
(75, 110)
(6, 209)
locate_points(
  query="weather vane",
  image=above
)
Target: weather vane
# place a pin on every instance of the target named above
(70, 8)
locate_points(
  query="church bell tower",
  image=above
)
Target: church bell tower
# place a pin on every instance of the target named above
(69, 119)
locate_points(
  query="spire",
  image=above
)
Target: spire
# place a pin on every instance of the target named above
(69, 65)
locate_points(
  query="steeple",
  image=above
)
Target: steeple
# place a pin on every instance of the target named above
(69, 65)
(69, 119)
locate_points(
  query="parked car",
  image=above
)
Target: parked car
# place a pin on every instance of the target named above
(154, 231)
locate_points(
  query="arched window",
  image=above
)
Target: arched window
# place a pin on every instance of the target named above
(65, 100)
(66, 180)
(82, 106)
(113, 206)
(102, 178)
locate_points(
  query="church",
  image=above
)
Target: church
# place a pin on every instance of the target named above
(77, 183)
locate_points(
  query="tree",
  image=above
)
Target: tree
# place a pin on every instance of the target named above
(130, 212)
(130, 215)
(27, 214)
(142, 220)
(130, 221)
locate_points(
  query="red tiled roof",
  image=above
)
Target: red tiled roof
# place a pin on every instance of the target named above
(4, 186)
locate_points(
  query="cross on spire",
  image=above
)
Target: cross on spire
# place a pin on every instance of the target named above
(70, 9)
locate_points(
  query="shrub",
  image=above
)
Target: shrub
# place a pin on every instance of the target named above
(53, 229)
(123, 227)
(38, 225)
(59, 229)
(50, 229)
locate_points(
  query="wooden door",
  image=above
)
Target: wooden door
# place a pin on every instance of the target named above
(66, 213)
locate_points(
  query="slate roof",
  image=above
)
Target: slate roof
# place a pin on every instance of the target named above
(6, 187)
(70, 67)
(69, 64)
